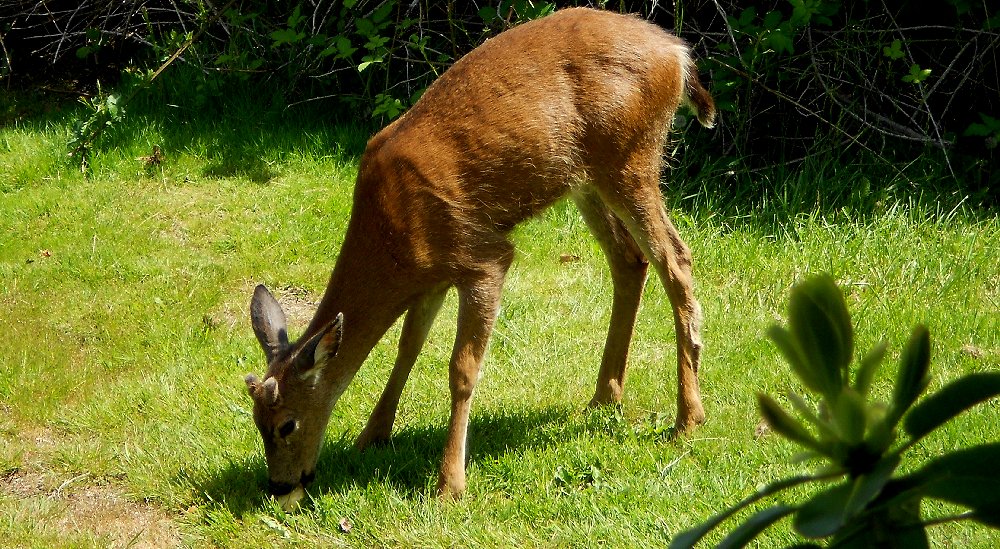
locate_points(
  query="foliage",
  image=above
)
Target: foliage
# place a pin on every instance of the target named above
(104, 111)
(856, 436)
(802, 76)
(875, 84)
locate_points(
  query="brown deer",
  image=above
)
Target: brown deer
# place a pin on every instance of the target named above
(577, 103)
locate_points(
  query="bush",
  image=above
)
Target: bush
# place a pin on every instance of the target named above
(795, 80)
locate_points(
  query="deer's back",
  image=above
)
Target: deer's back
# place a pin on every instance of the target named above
(520, 120)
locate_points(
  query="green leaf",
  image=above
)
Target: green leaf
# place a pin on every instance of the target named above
(772, 19)
(893, 51)
(826, 432)
(869, 366)
(689, 537)
(488, 14)
(367, 61)
(784, 424)
(849, 416)
(967, 477)
(917, 74)
(753, 526)
(365, 28)
(790, 349)
(884, 527)
(295, 17)
(913, 377)
(780, 41)
(344, 47)
(286, 36)
(382, 12)
(823, 514)
(819, 321)
(989, 127)
(953, 399)
(867, 487)
(881, 435)
(747, 16)
(974, 130)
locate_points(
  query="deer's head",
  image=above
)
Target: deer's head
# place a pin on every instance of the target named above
(290, 407)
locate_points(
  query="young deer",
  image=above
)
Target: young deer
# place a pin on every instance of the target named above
(577, 103)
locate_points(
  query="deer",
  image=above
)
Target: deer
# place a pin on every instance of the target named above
(578, 103)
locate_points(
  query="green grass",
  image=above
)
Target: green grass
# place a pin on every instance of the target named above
(123, 306)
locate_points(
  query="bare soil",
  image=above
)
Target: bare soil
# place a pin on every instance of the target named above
(80, 505)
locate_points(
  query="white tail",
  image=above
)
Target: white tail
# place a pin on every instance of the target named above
(577, 103)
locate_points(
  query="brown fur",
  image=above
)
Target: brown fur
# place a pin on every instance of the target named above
(576, 103)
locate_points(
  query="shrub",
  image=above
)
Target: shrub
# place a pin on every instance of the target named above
(857, 438)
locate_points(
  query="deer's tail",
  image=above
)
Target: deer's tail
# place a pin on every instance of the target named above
(697, 97)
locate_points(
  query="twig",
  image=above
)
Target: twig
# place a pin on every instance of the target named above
(729, 29)
(812, 113)
(6, 55)
(905, 132)
(72, 15)
(675, 461)
(923, 97)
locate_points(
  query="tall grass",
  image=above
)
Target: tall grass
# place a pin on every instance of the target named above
(123, 302)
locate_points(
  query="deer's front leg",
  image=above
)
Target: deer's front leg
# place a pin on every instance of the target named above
(477, 311)
(416, 326)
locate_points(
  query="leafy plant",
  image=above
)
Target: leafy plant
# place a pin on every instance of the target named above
(989, 129)
(917, 74)
(103, 111)
(856, 436)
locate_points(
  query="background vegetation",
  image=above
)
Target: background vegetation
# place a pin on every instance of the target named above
(878, 84)
(124, 285)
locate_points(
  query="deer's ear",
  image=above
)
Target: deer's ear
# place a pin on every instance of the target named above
(320, 348)
(268, 322)
(253, 384)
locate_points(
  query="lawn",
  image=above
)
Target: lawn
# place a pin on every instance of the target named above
(124, 299)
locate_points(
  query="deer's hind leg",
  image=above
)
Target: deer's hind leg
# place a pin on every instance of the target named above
(634, 195)
(628, 275)
(416, 326)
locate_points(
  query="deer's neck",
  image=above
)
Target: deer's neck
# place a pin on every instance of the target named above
(370, 287)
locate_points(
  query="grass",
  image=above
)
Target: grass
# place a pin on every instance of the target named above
(123, 304)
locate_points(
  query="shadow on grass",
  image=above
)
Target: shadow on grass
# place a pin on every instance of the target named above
(234, 135)
(239, 133)
(408, 463)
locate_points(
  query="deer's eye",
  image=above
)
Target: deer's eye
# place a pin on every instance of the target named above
(287, 428)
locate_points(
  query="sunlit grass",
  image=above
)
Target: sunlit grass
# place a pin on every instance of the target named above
(123, 302)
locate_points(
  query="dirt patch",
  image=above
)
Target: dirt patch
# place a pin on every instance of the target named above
(84, 505)
(298, 304)
(103, 511)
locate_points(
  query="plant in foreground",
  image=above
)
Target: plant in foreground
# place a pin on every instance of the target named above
(857, 438)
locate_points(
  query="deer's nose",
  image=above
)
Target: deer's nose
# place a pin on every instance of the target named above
(307, 478)
(280, 488)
